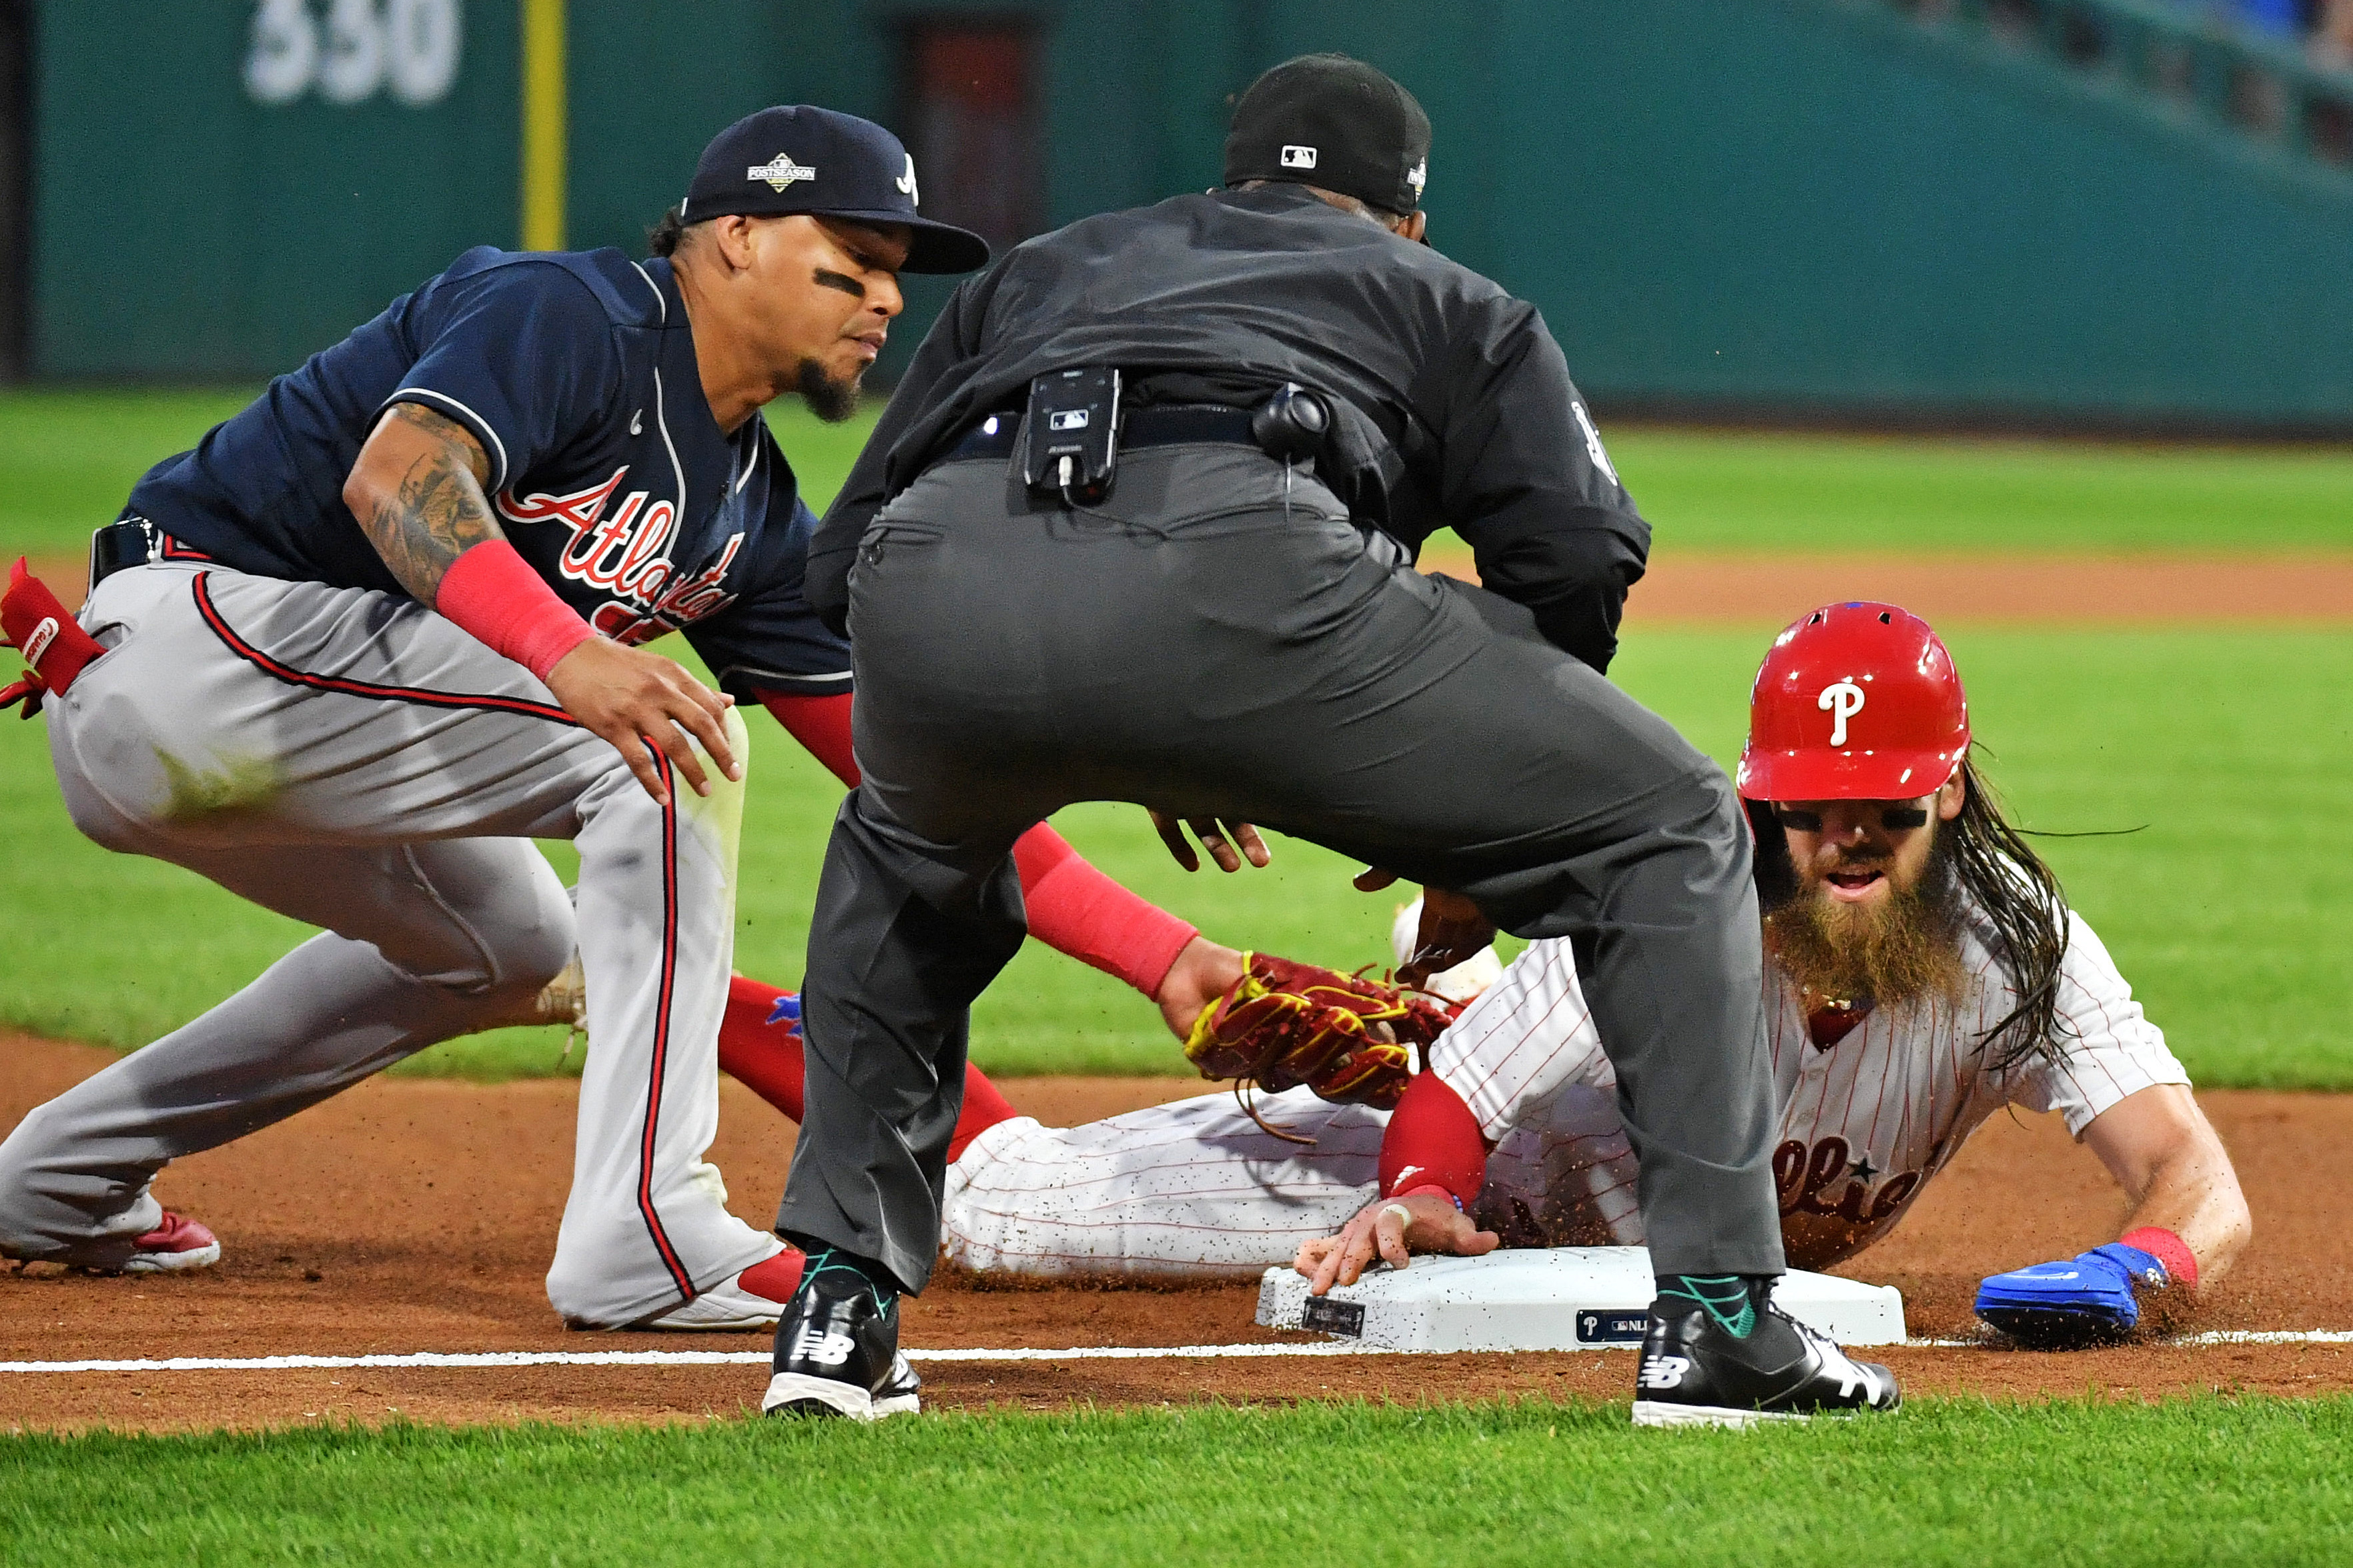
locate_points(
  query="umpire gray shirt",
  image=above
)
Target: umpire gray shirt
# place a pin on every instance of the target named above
(1453, 404)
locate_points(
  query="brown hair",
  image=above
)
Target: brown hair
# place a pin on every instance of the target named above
(662, 239)
(1990, 864)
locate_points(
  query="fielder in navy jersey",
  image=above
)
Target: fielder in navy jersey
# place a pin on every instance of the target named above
(379, 629)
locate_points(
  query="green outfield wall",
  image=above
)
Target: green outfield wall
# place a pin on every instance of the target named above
(1777, 208)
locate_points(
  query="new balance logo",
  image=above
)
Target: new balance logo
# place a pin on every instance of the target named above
(1660, 1371)
(824, 1349)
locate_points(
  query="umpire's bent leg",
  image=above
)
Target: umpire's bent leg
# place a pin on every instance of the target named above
(905, 933)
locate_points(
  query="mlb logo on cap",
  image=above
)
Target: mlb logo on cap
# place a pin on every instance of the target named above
(1299, 157)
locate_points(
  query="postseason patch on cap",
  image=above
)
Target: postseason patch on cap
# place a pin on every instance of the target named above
(780, 171)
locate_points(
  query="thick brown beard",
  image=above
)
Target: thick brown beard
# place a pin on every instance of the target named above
(1907, 949)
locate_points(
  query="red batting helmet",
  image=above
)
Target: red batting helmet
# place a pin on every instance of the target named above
(1855, 702)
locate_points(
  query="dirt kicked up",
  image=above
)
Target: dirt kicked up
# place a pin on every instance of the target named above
(412, 1216)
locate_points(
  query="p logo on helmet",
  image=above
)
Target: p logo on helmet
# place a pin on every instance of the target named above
(1838, 661)
(1842, 700)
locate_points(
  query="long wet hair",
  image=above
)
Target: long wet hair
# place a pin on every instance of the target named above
(1993, 868)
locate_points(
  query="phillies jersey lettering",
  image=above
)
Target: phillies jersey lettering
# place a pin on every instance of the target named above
(575, 374)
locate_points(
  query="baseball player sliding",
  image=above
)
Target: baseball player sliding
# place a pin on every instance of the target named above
(1923, 973)
(379, 629)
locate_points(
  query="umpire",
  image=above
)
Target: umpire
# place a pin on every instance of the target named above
(1228, 637)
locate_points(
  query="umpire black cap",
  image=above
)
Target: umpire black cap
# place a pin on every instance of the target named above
(1332, 121)
(799, 158)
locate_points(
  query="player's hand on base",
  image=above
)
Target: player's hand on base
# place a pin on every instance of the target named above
(629, 696)
(1382, 1230)
(1218, 837)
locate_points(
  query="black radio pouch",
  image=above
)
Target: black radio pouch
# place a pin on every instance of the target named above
(1071, 439)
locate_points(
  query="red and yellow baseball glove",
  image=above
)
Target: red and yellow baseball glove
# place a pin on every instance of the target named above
(1348, 1039)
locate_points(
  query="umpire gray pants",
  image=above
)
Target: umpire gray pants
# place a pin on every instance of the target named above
(1206, 645)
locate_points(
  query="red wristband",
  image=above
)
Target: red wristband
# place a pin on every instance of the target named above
(491, 592)
(1430, 1187)
(2181, 1263)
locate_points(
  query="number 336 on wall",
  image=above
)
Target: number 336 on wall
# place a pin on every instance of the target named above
(350, 49)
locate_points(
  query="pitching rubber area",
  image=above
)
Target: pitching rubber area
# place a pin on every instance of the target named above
(384, 1257)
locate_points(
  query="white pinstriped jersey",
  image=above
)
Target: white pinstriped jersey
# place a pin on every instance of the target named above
(1865, 1120)
(1196, 1189)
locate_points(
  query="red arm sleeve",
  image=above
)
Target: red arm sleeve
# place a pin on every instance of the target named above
(1073, 908)
(821, 723)
(1432, 1141)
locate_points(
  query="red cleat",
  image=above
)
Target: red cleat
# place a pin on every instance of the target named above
(178, 1244)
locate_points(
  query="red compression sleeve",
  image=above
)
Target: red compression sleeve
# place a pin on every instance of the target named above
(1075, 909)
(1432, 1141)
(766, 1058)
(2181, 1263)
(491, 592)
(821, 724)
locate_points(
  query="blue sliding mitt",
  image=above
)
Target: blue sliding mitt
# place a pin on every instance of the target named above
(2089, 1298)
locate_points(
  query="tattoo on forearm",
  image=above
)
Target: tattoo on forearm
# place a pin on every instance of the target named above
(439, 513)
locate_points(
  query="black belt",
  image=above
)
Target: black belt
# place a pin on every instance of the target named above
(133, 542)
(1179, 425)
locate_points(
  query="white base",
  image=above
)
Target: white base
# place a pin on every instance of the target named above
(1558, 1298)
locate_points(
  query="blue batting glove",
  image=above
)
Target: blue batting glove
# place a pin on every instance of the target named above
(2084, 1301)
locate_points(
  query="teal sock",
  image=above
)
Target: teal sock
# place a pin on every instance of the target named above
(1725, 1296)
(833, 1259)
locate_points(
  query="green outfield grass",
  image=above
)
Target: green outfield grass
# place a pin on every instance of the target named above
(2233, 751)
(2234, 748)
(69, 459)
(2206, 1480)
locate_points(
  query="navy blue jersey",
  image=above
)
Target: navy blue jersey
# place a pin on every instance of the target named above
(576, 372)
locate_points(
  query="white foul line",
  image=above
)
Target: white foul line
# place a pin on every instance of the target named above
(657, 1358)
(1080, 1352)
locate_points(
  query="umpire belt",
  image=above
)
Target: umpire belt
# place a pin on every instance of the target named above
(1173, 425)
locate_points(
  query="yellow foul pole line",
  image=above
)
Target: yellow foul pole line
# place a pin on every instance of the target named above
(543, 124)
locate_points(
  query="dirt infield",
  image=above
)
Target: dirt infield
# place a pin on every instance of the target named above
(412, 1216)
(2314, 589)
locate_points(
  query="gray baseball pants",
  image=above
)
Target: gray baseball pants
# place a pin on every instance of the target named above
(1236, 647)
(353, 760)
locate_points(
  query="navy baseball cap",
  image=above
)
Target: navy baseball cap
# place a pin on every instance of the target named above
(799, 158)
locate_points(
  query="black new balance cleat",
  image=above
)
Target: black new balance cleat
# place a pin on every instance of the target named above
(837, 1351)
(902, 1393)
(1696, 1373)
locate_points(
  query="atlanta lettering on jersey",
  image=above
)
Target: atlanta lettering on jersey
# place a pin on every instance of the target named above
(626, 557)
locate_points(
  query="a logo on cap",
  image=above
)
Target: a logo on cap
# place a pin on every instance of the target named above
(1417, 176)
(1841, 700)
(1299, 157)
(906, 181)
(780, 172)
